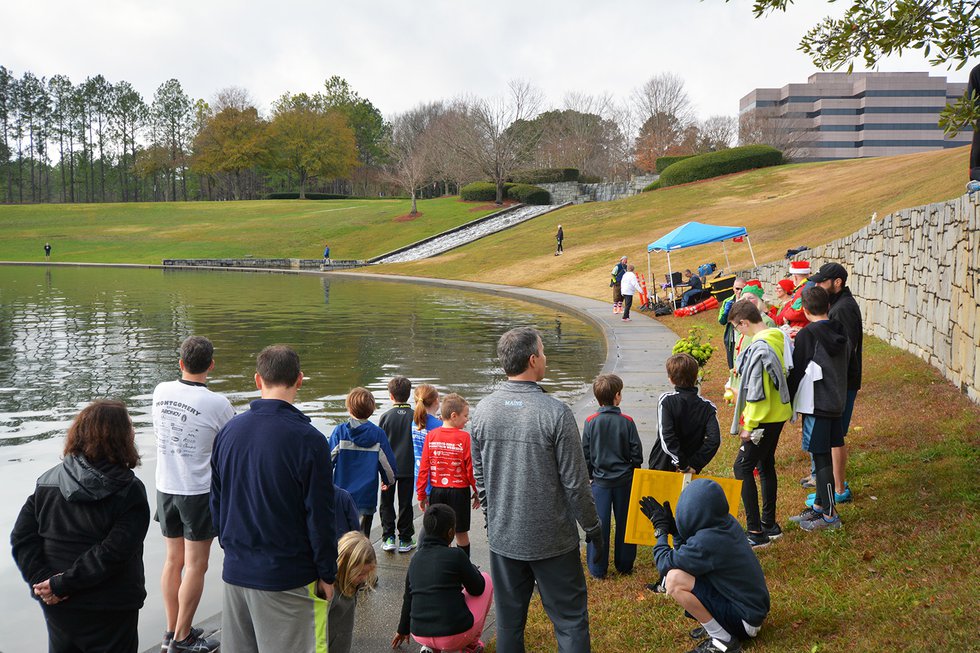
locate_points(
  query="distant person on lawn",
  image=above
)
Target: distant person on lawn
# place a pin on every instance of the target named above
(47, 251)
(560, 236)
(711, 570)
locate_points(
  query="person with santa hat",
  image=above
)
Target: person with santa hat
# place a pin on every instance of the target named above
(792, 314)
(784, 296)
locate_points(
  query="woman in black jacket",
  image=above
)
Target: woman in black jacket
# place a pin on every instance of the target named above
(78, 540)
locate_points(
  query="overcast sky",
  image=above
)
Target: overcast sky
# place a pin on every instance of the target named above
(400, 53)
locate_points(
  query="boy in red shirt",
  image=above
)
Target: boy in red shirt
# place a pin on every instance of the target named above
(447, 465)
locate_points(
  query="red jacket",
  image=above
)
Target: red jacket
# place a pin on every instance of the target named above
(446, 461)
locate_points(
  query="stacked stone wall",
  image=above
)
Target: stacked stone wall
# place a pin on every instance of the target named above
(263, 263)
(916, 276)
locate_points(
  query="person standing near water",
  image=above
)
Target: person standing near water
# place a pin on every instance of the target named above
(47, 251)
(186, 418)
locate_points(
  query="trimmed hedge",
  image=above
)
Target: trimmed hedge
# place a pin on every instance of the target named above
(481, 191)
(528, 194)
(309, 196)
(653, 185)
(332, 196)
(715, 164)
(545, 176)
(664, 161)
(589, 179)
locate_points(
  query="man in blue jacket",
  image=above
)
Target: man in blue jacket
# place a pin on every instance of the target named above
(711, 571)
(272, 500)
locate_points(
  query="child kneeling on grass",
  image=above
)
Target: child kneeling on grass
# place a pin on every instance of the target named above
(711, 571)
(446, 597)
(356, 566)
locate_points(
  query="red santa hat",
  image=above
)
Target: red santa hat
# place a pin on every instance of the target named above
(787, 285)
(799, 267)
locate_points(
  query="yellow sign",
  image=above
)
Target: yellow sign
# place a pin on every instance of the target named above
(667, 486)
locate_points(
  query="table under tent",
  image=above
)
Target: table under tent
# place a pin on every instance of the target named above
(693, 234)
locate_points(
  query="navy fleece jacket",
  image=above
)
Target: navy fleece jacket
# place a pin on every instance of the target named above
(712, 545)
(272, 499)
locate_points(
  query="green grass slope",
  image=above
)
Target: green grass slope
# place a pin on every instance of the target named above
(782, 207)
(150, 232)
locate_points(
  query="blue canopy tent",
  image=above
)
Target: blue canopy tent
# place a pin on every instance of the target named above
(692, 234)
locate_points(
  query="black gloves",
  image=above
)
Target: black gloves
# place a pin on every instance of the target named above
(598, 552)
(660, 515)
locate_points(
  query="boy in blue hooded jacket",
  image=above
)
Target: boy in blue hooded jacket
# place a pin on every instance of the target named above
(361, 453)
(711, 571)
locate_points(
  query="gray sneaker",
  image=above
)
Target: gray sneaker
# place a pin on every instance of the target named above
(822, 524)
(194, 645)
(169, 635)
(808, 514)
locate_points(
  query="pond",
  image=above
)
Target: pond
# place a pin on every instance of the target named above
(70, 335)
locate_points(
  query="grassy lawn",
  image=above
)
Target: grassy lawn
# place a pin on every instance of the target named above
(901, 575)
(782, 207)
(150, 232)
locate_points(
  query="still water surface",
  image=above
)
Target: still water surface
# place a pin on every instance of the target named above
(70, 335)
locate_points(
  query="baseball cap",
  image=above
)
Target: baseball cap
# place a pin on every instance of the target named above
(828, 272)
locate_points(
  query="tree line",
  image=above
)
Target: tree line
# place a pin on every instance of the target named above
(102, 141)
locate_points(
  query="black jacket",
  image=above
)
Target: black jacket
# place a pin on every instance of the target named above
(844, 308)
(433, 603)
(687, 431)
(826, 344)
(611, 446)
(84, 528)
(397, 424)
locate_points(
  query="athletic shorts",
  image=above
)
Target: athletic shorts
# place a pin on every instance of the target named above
(457, 498)
(186, 516)
(825, 433)
(723, 610)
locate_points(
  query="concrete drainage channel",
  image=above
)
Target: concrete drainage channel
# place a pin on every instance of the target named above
(464, 234)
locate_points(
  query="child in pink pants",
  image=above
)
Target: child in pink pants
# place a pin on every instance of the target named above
(446, 597)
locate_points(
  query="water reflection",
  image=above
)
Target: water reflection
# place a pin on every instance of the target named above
(70, 335)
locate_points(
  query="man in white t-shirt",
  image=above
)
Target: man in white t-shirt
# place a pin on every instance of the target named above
(186, 417)
(629, 287)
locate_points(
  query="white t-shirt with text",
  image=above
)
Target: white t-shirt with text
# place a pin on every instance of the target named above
(186, 417)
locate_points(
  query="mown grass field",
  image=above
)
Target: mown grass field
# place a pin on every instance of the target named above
(903, 573)
(782, 207)
(151, 232)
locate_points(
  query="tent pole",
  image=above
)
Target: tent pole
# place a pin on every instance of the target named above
(749, 241)
(673, 293)
(650, 277)
(728, 265)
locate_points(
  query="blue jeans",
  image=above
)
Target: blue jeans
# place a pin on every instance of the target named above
(609, 501)
(807, 430)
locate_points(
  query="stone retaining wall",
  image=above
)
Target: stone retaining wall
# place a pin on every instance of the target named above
(573, 192)
(916, 276)
(264, 263)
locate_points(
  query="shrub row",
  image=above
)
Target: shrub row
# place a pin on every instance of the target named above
(486, 191)
(653, 185)
(528, 194)
(546, 176)
(664, 161)
(332, 196)
(715, 164)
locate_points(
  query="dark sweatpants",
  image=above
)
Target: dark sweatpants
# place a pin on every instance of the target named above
(762, 455)
(627, 303)
(405, 489)
(91, 631)
(610, 501)
(561, 584)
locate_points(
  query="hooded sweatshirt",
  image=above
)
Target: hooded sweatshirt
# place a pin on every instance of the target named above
(825, 345)
(84, 528)
(360, 453)
(844, 309)
(763, 394)
(712, 545)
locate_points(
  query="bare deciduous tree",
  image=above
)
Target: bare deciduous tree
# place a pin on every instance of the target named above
(664, 110)
(496, 134)
(717, 133)
(790, 135)
(410, 149)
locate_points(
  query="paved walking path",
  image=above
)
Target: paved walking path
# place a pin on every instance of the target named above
(636, 351)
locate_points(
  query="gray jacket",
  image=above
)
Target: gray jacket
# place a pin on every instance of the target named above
(752, 365)
(530, 473)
